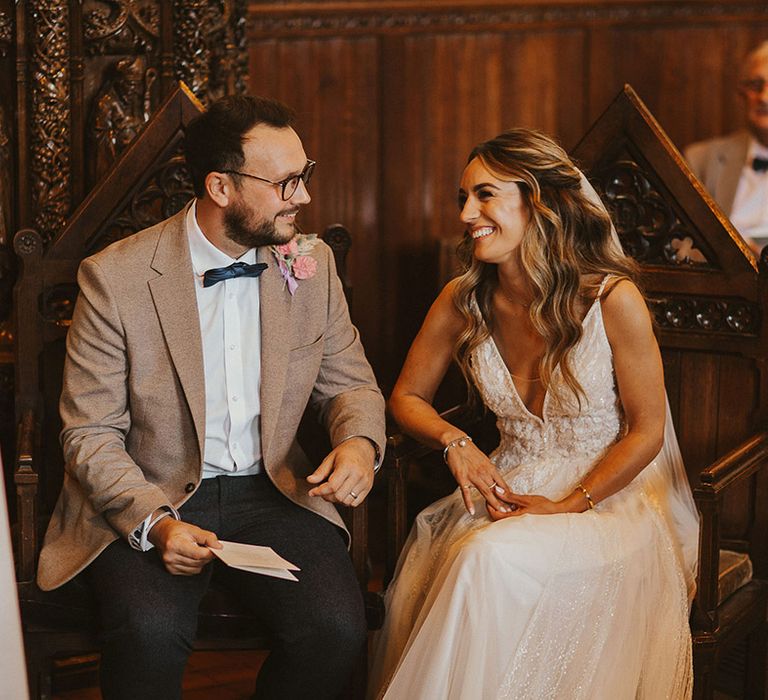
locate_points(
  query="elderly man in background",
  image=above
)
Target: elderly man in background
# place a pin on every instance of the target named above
(734, 168)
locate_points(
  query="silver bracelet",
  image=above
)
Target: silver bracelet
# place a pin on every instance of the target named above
(459, 441)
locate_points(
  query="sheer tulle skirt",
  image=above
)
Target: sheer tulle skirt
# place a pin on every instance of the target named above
(588, 605)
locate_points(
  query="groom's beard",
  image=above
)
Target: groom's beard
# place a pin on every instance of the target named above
(242, 227)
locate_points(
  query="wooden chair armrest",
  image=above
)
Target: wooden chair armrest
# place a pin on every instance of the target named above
(738, 464)
(25, 439)
(356, 520)
(357, 523)
(26, 479)
(402, 448)
(741, 463)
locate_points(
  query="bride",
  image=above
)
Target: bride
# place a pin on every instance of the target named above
(563, 565)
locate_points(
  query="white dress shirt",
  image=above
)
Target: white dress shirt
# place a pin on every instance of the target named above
(231, 331)
(230, 326)
(750, 205)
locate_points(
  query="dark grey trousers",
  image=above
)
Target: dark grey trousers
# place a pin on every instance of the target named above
(149, 616)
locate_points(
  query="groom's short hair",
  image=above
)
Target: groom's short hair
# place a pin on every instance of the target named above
(214, 141)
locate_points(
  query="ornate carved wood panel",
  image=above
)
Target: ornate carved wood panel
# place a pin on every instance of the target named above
(147, 184)
(51, 105)
(706, 289)
(78, 81)
(95, 70)
(164, 190)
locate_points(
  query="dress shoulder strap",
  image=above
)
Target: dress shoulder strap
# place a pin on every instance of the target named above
(603, 285)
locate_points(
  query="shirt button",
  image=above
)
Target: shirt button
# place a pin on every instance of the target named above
(234, 398)
(190, 487)
(232, 347)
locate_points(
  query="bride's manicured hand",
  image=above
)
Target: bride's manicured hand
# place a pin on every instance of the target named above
(473, 470)
(494, 514)
(522, 505)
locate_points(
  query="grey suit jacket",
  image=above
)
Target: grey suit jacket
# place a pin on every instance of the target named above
(718, 163)
(133, 399)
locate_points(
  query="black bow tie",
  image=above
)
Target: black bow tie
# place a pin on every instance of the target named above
(238, 269)
(760, 165)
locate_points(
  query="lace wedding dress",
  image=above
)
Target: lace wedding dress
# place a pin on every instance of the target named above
(589, 605)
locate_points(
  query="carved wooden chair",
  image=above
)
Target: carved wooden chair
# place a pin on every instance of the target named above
(147, 184)
(709, 297)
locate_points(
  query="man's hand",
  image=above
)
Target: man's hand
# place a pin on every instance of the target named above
(183, 547)
(346, 474)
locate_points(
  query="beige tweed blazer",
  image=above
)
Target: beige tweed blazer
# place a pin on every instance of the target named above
(133, 399)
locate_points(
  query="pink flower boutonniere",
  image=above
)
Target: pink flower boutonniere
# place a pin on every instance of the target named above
(294, 260)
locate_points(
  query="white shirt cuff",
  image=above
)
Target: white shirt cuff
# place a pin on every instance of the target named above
(138, 538)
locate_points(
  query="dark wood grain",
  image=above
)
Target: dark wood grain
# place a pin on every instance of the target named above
(393, 94)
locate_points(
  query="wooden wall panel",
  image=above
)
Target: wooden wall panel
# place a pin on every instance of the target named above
(332, 83)
(713, 402)
(684, 74)
(698, 405)
(394, 93)
(407, 195)
(546, 83)
(671, 360)
(441, 95)
(739, 399)
(739, 392)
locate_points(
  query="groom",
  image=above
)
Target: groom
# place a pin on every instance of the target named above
(194, 349)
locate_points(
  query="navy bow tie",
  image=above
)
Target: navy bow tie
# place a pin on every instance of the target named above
(238, 269)
(760, 165)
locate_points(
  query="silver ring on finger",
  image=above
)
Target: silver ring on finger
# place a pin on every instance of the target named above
(490, 486)
(353, 494)
(467, 486)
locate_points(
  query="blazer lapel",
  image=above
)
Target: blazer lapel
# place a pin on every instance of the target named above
(275, 308)
(175, 301)
(732, 158)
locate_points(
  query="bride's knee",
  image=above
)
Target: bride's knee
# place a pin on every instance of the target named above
(477, 548)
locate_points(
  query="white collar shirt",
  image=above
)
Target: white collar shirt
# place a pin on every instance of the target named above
(230, 327)
(750, 205)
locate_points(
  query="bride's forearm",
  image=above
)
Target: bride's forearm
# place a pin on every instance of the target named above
(419, 419)
(621, 464)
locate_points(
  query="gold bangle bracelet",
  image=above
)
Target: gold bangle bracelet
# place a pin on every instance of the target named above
(587, 495)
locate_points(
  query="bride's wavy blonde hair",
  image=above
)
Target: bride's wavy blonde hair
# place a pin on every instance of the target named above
(566, 251)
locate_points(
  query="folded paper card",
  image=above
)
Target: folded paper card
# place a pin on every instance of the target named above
(257, 559)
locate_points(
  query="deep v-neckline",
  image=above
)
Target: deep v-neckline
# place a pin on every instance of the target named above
(511, 380)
